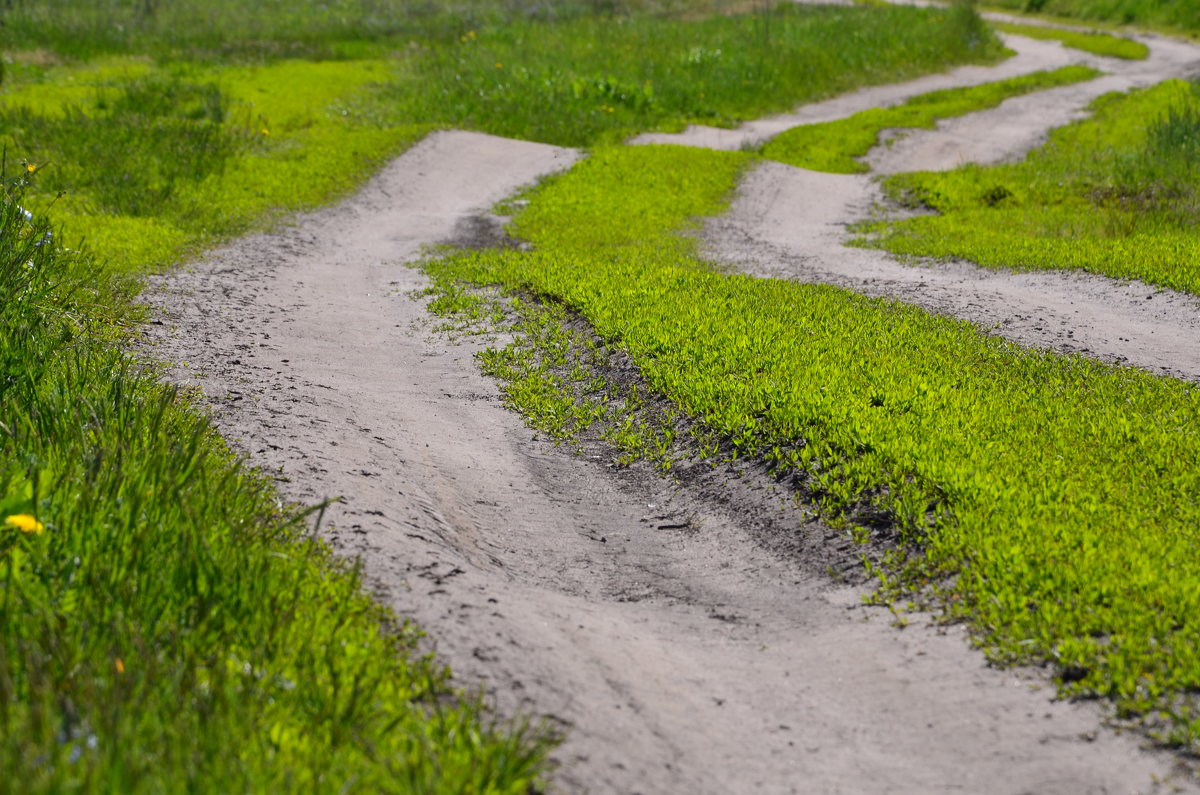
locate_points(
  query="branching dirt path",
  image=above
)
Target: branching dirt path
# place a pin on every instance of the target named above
(791, 223)
(645, 620)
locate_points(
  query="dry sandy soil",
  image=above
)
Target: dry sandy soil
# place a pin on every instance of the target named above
(645, 619)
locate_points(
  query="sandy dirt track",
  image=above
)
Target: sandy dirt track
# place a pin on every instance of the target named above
(679, 654)
(791, 223)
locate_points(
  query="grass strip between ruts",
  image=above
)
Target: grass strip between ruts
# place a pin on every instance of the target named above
(1096, 43)
(833, 146)
(165, 624)
(1051, 501)
(1115, 194)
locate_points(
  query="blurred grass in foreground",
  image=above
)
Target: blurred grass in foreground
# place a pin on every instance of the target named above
(165, 624)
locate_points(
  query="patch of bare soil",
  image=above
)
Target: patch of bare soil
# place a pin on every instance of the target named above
(642, 618)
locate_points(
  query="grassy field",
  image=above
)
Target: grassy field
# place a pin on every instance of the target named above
(1167, 14)
(1050, 501)
(239, 142)
(1115, 194)
(168, 624)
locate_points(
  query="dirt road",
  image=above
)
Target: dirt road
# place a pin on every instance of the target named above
(791, 223)
(678, 653)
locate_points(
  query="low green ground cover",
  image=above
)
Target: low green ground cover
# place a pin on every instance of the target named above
(1052, 502)
(165, 624)
(204, 153)
(834, 146)
(209, 149)
(1116, 194)
(1095, 43)
(1170, 14)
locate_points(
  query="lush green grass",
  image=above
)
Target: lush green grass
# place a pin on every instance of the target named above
(834, 146)
(1051, 501)
(219, 30)
(166, 625)
(205, 152)
(1177, 14)
(1116, 194)
(591, 80)
(1095, 43)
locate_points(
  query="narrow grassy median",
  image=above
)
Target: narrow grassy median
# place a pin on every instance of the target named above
(834, 146)
(1095, 43)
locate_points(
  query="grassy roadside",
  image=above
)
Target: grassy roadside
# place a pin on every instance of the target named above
(165, 624)
(168, 626)
(1049, 501)
(719, 71)
(1115, 194)
(834, 146)
(1181, 17)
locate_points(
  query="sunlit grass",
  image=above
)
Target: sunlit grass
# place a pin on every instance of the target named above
(590, 80)
(1116, 194)
(174, 627)
(1050, 501)
(1095, 43)
(1166, 14)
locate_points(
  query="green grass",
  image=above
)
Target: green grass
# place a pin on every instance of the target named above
(1116, 194)
(1095, 43)
(1169, 14)
(206, 152)
(172, 627)
(220, 30)
(835, 146)
(1050, 501)
(592, 80)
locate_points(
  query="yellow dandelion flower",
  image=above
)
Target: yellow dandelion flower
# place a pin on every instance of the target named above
(31, 167)
(25, 523)
(499, 66)
(265, 131)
